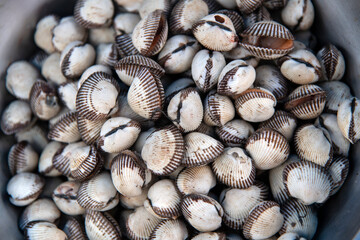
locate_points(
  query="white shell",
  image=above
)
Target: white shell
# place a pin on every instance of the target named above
(43, 33)
(67, 93)
(170, 229)
(65, 197)
(93, 69)
(336, 93)
(101, 225)
(94, 13)
(46, 167)
(218, 109)
(44, 231)
(51, 69)
(16, 117)
(298, 15)
(125, 22)
(22, 158)
(34, 135)
(348, 117)
(101, 35)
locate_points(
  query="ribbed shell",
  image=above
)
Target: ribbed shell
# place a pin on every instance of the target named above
(248, 6)
(65, 197)
(260, 14)
(94, 14)
(101, 225)
(43, 231)
(202, 212)
(146, 95)
(268, 148)
(210, 236)
(74, 230)
(234, 133)
(314, 144)
(348, 117)
(63, 156)
(163, 150)
(299, 218)
(336, 93)
(107, 54)
(128, 174)
(264, 221)
(200, 149)
(150, 34)
(196, 180)
(170, 229)
(218, 109)
(67, 93)
(45, 166)
(332, 62)
(97, 96)
(274, 4)
(22, 158)
(283, 122)
(236, 19)
(256, 36)
(237, 203)
(65, 129)
(234, 168)
(306, 101)
(125, 46)
(307, 182)
(255, 104)
(16, 116)
(90, 130)
(338, 169)
(129, 67)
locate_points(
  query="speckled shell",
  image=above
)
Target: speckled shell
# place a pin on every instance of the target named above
(94, 14)
(306, 101)
(237, 203)
(234, 168)
(150, 34)
(268, 148)
(314, 144)
(65, 197)
(74, 230)
(332, 62)
(22, 158)
(16, 116)
(46, 166)
(255, 104)
(336, 93)
(170, 229)
(248, 6)
(129, 67)
(308, 182)
(65, 129)
(264, 221)
(202, 212)
(283, 122)
(338, 169)
(218, 109)
(101, 225)
(90, 130)
(200, 149)
(348, 117)
(125, 46)
(267, 40)
(43, 230)
(299, 218)
(163, 150)
(235, 133)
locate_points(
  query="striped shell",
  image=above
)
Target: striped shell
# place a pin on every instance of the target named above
(234, 168)
(308, 182)
(306, 101)
(210, 236)
(45, 166)
(125, 46)
(67, 93)
(22, 158)
(65, 197)
(332, 62)
(16, 116)
(338, 169)
(91, 70)
(43, 230)
(90, 130)
(348, 117)
(74, 229)
(255, 104)
(264, 221)
(236, 19)
(218, 109)
(336, 93)
(200, 149)
(150, 34)
(248, 6)
(283, 122)
(101, 225)
(267, 40)
(274, 4)
(170, 229)
(107, 54)
(267, 148)
(235, 133)
(65, 129)
(94, 14)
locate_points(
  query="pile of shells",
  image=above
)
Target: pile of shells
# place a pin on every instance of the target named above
(189, 119)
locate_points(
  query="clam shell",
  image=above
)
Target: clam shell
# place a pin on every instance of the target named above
(102, 35)
(235, 133)
(51, 69)
(97, 97)
(90, 130)
(336, 93)
(210, 236)
(146, 95)
(129, 67)
(16, 116)
(163, 150)
(267, 40)
(91, 70)
(151, 5)
(150, 34)
(248, 6)
(268, 148)
(101, 225)
(134, 202)
(298, 15)
(34, 135)
(274, 4)
(264, 221)
(332, 62)
(234, 168)
(67, 93)
(307, 182)
(283, 122)
(170, 229)
(141, 140)
(200, 149)
(66, 129)
(338, 169)
(65, 197)
(46, 166)
(306, 101)
(202, 212)
(43, 33)
(255, 104)
(218, 109)
(125, 22)
(260, 14)
(236, 19)
(299, 218)
(43, 230)
(237, 203)
(241, 53)
(74, 230)
(107, 54)
(348, 119)
(206, 129)
(24, 188)
(125, 46)
(22, 158)
(94, 14)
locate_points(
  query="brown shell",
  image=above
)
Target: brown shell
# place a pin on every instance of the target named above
(248, 6)
(283, 122)
(274, 4)
(87, 23)
(235, 133)
(267, 40)
(74, 229)
(236, 19)
(168, 229)
(332, 62)
(22, 158)
(90, 130)
(260, 14)
(338, 169)
(101, 225)
(218, 109)
(65, 129)
(125, 46)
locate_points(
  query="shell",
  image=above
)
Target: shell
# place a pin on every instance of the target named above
(332, 62)
(128, 68)
(150, 34)
(34, 135)
(16, 116)
(107, 54)
(65, 197)
(22, 158)
(202, 212)
(274, 4)
(101, 225)
(134, 202)
(151, 5)
(268, 148)
(90, 130)
(94, 14)
(98, 193)
(196, 180)
(237, 203)
(118, 134)
(348, 117)
(185, 110)
(97, 97)
(101, 35)
(255, 104)
(236, 19)
(306, 101)
(91, 70)
(258, 15)
(125, 46)
(146, 95)
(299, 218)
(66, 129)
(43, 230)
(235, 133)
(308, 182)
(241, 53)
(31, 185)
(218, 109)
(163, 150)
(74, 230)
(314, 144)
(132, 6)
(267, 40)
(264, 221)
(67, 93)
(336, 93)
(338, 169)
(51, 69)
(216, 32)
(248, 6)
(125, 22)
(283, 122)
(170, 229)
(210, 236)
(46, 166)
(43, 33)
(298, 15)
(234, 168)
(200, 149)
(43, 100)
(236, 77)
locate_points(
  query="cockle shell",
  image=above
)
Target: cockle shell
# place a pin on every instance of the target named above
(16, 116)
(65, 197)
(51, 69)
(283, 122)
(170, 229)
(67, 93)
(22, 158)
(74, 230)
(332, 62)
(46, 166)
(235, 133)
(65, 129)
(298, 15)
(218, 109)
(336, 93)
(348, 117)
(94, 14)
(248, 6)
(338, 169)
(43, 33)
(43, 230)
